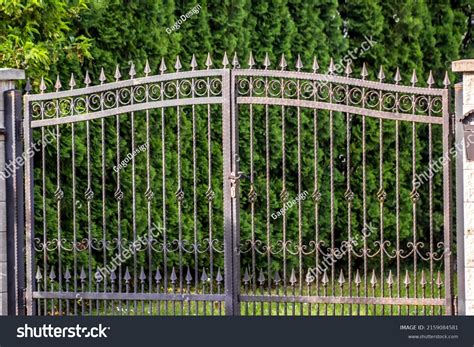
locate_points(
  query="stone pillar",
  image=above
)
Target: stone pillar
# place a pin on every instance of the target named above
(7, 81)
(466, 67)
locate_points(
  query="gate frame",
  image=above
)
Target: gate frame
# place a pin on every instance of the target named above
(231, 173)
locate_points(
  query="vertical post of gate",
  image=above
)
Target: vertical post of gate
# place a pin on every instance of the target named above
(466, 247)
(15, 201)
(7, 82)
(231, 196)
(458, 128)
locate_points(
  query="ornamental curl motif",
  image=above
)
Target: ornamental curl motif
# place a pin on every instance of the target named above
(114, 98)
(366, 97)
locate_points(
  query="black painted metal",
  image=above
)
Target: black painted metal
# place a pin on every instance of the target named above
(174, 287)
(15, 201)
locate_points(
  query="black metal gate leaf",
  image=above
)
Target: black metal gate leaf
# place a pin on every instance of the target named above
(238, 191)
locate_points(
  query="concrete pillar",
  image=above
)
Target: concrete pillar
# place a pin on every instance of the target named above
(7, 81)
(466, 67)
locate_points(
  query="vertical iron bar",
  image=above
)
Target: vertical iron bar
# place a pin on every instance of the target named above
(29, 210)
(316, 197)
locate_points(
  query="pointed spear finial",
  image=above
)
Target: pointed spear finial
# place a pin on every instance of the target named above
(397, 77)
(173, 276)
(357, 279)
(178, 65)
(251, 62)
(102, 77)
(142, 276)
(87, 79)
(325, 278)
(446, 81)
(117, 74)
(381, 75)
(132, 71)
(28, 86)
(331, 67)
(158, 275)
(208, 61)
(261, 277)
(293, 277)
(193, 63)
(42, 85)
(235, 61)
(430, 81)
(204, 276)
(373, 279)
(390, 278)
(246, 276)
(299, 64)
(52, 274)
(341, 279)
(72, 81)
(423, 281)
(283, 63)
(348, 69)
(277, 278)
(439, 281)
(127, 277)
(413, 79)
(147, 69)
(57, 85)
(266, 61)
(189, 277)
(83, 274)
(219, 277)
(113, 276)
(406, 281)
(225, 61)
(315, 66)
(364, 72)
(162, 66)
(38, 276)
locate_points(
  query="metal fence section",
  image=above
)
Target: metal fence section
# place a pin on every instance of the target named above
(238, 191)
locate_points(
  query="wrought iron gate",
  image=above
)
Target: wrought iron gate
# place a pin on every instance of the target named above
(238, 191)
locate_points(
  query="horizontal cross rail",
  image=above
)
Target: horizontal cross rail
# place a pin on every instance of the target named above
(128, 296)
(339, 108)
(329, 78)
(342, 300)
(123, 84)
(125, 110)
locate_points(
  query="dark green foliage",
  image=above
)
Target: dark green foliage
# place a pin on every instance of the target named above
(416, 35)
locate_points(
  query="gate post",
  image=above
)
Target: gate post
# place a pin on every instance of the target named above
(7, 82)
(231, 195)
(465, 186)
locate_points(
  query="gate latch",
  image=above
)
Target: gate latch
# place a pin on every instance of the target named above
(233, 182)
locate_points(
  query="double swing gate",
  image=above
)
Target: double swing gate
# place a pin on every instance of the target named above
(253, 191)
